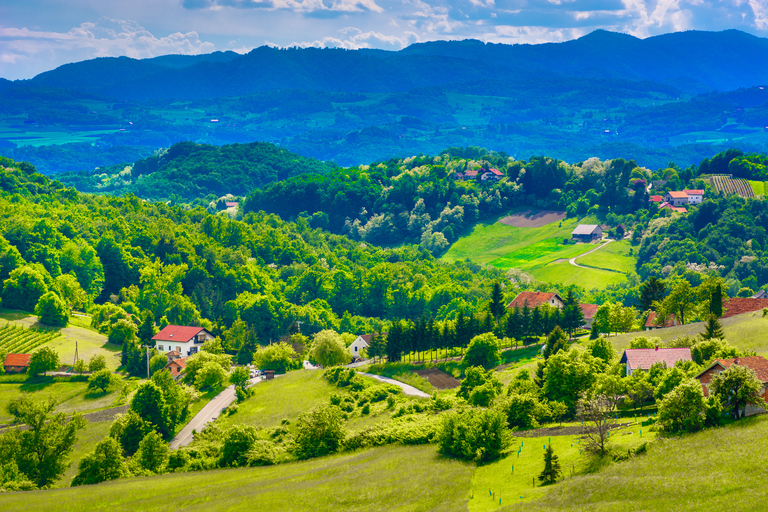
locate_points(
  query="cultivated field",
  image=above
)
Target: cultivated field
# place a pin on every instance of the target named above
(438, 378)
(730, 185)
(17, 339)
(532, 218)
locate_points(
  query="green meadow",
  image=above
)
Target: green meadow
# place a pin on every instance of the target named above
(618, 256)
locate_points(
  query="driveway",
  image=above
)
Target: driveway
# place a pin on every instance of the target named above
(572, 261)
(206, 415)
(407, 389)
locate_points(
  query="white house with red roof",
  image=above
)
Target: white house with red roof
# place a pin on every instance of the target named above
(676, 198)
(361, 343)
(758, 364)
(182, 339)
(533, 299)
(643, 358)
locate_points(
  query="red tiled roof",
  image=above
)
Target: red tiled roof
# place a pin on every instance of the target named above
(678, 209)
(17, 360)
(651, 322)
(740, 305)
(644, 358)
(533, 299)
(675, 194)
(470, 173)
(588, 310)
(173, 353)
(656, 199)
(694, 192)
(366, 338)
(230, 204)
(496, 172)
(757, 363)
(179, 333)
(181, 362)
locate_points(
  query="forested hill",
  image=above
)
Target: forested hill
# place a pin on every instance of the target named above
(692, 61)
(188, 171)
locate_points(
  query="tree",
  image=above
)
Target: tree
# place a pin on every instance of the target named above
(44, 360)
(153, 452)
(96, 363)
(147, 328)
(681, 300)
(52, 310)
(573, 316)
(594, 412)
(238, 441)
(523, 410)
(129, 429)
(551, 471)
(683, 408)
(713, 329)
(101, 379)
(70, 291)
(496, 306)
(104, 463)
(122, 331)
(378, 346)
(149, 403)
(480, 435)
(24, 287)
(705, 351)
(602, 349)
(568, 374)
(319, 432)
(483, 351)
(210, 375)
(157, 363)
(556, 341)
(671, 378)
(329, 350)
(46, 442)
(196, 362)
(476, 378)
(639, 388)
(240, 377)
(716, 302)
(651, 291)
(738, 386)
(278, 357)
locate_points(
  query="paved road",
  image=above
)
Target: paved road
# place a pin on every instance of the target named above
(572, 261)
(408, 390)
(206, 415)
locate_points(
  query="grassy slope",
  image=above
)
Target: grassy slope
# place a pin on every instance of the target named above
(717, 469)
(614, 256)
(87, 439)
(758, 187)
(566, 274)
(349, 482)
(746, 331)
(71, 396)
(283, 398)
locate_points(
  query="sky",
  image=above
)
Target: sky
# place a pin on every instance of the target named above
(39, 35)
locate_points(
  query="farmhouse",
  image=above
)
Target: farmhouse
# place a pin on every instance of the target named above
(16, 363)
(652, 323)
(695, 196)
(656, 199)
(490, 174)
(176, 366)
(676, 198)
(644, 358)
(533, 299)
(362, 342)
(757, 363)
(589, 311)
(587, 233)
(740, 305)
(184, 340)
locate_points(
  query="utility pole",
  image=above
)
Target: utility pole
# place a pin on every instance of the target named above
(147, 346)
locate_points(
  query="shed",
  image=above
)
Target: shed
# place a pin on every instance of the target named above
(587, 233)
(17, 363)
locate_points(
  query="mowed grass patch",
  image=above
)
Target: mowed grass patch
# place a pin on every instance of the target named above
(541, 254)
(716, 469)
(614, 256)
(70, 396)
(758, 187)
(566, 274)
(407, 478)
(489, 241)
(514, 479)
(748, 331)
(285, 397)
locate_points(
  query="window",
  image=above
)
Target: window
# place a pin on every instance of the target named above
(159, 347)
(178, 348)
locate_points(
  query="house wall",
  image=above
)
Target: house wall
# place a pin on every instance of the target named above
(707, 377)
(15, 369)
(357, 346)
(694, 199)
(186, 349)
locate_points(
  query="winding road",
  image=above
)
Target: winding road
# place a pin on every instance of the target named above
(407, 389)
(572, 261)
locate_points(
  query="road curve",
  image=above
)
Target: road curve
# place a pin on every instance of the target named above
(407, 389)
(572, 261)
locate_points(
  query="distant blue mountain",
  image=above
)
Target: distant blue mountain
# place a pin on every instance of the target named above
(690, 61)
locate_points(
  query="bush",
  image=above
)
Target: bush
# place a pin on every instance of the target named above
(97, 362)
(101, 379)
(262, 453)
(319, 432)
(238, 441)
(683, 408)
(52, 310)
(478, 435)
(523, 410)
(483, 351)
(329, 349)
(44, 360)
(477, 377)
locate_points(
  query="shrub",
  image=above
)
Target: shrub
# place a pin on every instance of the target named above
(262, 453)
(52, 310)
(683, 408)
(476, 377)
(319, 432)
(478, 435)
(523, 410)
(238, 441)
(483, 351)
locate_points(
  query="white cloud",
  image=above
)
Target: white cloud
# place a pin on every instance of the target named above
(353, 38)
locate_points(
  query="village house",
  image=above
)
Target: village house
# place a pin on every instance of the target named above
(589, 311)
(184, 340)
(533, 299)
(652, 323)
(678, 209)
(176, 366)
(16, 363)
(656, 199)
(695, 196)
(643, 358)
(361, 343)
(483, 174)
(587, 233)
(676, 198)
(757, 363)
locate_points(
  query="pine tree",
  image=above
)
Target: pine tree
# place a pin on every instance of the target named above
(497, 306)
(595, 332)
(651, 291)
(713, 329)
(552, 470)
(147, 328)
(394, 344)
(716, 304)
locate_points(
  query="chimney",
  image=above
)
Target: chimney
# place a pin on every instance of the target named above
(736, 361)
(657, 346)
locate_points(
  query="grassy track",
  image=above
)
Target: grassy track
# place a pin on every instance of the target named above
(717, 469)
(566, 274)
(283, 398)
(389, 478)
(614, 256)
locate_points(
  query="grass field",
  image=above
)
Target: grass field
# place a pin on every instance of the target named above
(391, 478)
(758, 187)
(541, 254)
(71, 396)
(283, 398)
(717, 469)
(566, 274)
(614, 256)
(746, 331)
(87, 439)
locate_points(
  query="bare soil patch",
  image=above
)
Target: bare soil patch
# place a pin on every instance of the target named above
(533, 218)
(561, 431)
(438, 378)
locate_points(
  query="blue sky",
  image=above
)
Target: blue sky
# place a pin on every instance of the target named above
(38, 35)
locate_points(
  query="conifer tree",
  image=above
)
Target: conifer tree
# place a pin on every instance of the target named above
(713, 329)
(497, 306)
(552, 470)
(716, 303)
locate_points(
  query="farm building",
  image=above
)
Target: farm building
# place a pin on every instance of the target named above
(587, 233)
(644, 358)
(184, 340)
(176, 366)
(695, 196)
(589, 311)
(17, 363)
(757, 363)
(678, 209)
(533, 299)
(482, 174)
(740, 305)
(676, 198)
(656, 199)
(652, 323)
(362, 342)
